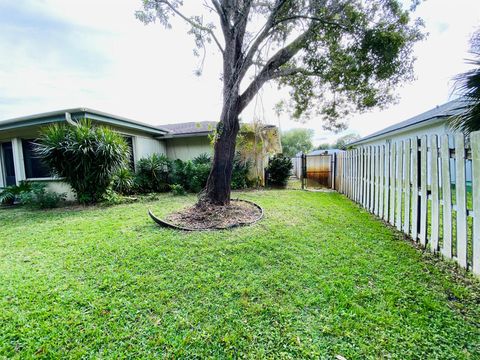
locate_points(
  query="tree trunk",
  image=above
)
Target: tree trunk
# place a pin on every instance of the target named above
(218, 188)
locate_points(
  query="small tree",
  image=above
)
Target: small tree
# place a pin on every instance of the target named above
(85, 155)
(297, 140)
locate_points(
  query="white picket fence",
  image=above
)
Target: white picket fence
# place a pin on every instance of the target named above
(420, 186)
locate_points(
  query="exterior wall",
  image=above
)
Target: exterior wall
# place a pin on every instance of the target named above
(437, 127)
(187, 148)
(146, 146)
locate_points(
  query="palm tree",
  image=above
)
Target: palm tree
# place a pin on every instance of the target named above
(467, 85)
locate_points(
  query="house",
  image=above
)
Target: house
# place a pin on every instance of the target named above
(432, 122)
(18, 162)
(188, 140)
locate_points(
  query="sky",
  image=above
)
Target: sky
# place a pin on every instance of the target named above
(59, 54)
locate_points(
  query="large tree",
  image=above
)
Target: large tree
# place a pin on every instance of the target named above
(297, 140)
(336, 56)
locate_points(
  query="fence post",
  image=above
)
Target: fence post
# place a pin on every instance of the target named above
(475, 143)
(415, 165)
(446, 198)
(393, 169)
(406, 223)
(461, 200)
(423, 190)
(398, 217)
(386, 191)
(435, 191)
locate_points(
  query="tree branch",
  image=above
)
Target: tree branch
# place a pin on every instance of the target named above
(263, 34)
(227, 32)
(193, 23)
(269, 71)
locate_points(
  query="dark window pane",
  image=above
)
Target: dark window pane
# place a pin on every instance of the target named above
(129, 141)
(8, 163)
(34, 167)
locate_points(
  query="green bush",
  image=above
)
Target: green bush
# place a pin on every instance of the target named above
(85, 155)
(9, 194)
(279, 168)
(123, 181)
(240, 174)
(39, 198)
(153, 174)
(191, 176)
(177, 190)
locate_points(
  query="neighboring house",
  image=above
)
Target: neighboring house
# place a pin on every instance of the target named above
(431, 122)
(18, 162)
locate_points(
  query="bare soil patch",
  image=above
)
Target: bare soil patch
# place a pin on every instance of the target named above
(210, 217)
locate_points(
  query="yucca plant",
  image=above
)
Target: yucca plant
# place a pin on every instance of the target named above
(467, 85)
(153, 174)
(85, 155)
(123, 181)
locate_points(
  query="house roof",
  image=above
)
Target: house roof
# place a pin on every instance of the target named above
(77, 113)
(448, 109)
(191, 128)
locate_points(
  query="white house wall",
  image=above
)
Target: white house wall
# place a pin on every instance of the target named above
(437, 127)
(146, 146)
(187, 148)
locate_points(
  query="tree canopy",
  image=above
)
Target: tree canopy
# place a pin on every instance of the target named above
(297, 140)
(334, 56)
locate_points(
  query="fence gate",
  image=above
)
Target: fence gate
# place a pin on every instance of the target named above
(318, 171)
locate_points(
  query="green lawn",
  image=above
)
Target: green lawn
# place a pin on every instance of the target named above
(318, 277)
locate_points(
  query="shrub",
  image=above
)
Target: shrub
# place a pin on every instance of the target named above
(240, 174)
(9, 194)
(193, 175)
(85, 155)
(279, 168)
(153, 174)
(123, 181)
(39, 198)
(203, 159)
(177, 190)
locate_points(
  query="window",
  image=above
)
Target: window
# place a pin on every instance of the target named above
(34, 167)
(129, 141)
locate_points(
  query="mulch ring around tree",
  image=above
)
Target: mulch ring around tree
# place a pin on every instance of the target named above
(212, 217)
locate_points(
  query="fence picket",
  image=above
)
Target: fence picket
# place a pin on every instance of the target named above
(434, 187)
(461, 200)
(386, 191)
(414, 227)
(377, 179)
(406, 182)
(423, 190)
(398, 215)
(368, 177)
(381, 190)
(372, 178)
(393, 169)
(446, 198)
(475, 143)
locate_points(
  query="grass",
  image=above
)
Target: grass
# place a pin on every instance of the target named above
(318, 277)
